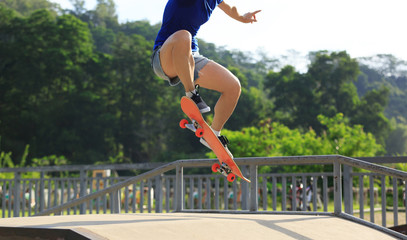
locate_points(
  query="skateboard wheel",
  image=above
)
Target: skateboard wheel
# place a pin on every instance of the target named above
(231, 177)
(215, 167)
(199, 132)
(182, 123)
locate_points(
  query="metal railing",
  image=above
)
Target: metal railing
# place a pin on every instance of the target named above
(26, 196)
(162, 189)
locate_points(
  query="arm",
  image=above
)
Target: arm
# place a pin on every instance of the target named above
(232, 12)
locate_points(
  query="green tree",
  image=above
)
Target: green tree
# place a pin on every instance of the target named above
(386, 64)
(27, 7)
(275, 139)
(332, 75)
(370, 113)
(43, 67)
(374, 77)
(79, 7)
(252, 106)
(396, 143)
(294, 97)
(143, 28)
(327, 88)
(105, 14)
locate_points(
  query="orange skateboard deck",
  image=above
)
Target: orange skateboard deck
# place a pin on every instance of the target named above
(227, 166)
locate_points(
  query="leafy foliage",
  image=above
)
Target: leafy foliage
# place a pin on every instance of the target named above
(386, 77)
(77, 87)
(275, 139)
(327, 88)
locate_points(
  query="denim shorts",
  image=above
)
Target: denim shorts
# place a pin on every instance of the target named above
(200, 62)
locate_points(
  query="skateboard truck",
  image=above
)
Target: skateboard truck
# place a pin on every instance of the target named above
(194, 127)
(224, 170)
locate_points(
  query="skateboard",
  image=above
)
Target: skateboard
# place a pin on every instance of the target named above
(227, 165)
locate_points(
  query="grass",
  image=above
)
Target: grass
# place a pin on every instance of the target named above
(389, 218)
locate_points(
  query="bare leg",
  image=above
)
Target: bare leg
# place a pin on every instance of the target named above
(216, 77)
(177, 60)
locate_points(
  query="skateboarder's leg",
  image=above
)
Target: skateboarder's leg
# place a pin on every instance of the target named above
(177, 62)
(176, 58)
(216, 77)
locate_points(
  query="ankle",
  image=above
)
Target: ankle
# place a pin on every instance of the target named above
(191, 93)
(217, 133)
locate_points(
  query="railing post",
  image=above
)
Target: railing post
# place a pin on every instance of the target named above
(179, 188)
(245, 190)
(284, 194)
(395, 202)
(253, 188)
(42, 190)
(16, 194)
(159, 194)
(383, 186)
(293, 193)
(82, 190)
(304, 193)
(116, 201)
(337, 188)
(348, 189)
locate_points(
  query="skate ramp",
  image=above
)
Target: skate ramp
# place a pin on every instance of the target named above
(186, 226)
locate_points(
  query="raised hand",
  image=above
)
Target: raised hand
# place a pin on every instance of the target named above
(250, 17)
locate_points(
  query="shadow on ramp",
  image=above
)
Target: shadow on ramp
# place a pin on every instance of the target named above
(28, 233)
(187, 226)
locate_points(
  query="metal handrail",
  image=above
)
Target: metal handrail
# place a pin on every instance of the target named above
(110, 190)
(253, 163)
(73, 168)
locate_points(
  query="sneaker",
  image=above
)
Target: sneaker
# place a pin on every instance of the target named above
(203, 108)
(224, 142)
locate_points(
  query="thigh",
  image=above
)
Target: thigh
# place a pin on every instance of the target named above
(216, 77)
(166, 58)
(181, 37)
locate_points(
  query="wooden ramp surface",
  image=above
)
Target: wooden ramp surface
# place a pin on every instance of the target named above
(188, 226)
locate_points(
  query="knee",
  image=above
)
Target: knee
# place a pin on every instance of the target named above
(235, 87)
(183, 37)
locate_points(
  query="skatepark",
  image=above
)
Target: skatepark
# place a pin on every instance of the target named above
(89, 108)
(181, 206)
(187, 226)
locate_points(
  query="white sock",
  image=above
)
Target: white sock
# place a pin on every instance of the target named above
(189, 94)
(217, 133)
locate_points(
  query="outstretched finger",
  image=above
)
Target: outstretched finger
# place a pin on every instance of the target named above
(254, 14)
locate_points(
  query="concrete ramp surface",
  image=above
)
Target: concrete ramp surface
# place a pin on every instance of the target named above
(187, 226)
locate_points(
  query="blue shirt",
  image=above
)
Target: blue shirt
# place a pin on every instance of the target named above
(187, 15)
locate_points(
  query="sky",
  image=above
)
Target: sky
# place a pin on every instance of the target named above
(363, 28)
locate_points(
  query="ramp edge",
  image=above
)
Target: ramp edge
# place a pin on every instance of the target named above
(26, 233)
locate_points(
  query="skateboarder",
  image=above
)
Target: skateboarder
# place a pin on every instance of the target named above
(176, 57)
